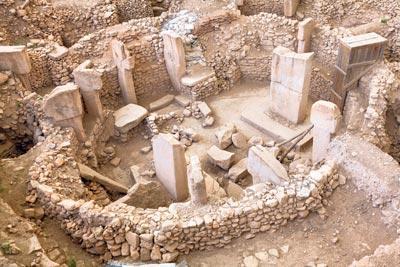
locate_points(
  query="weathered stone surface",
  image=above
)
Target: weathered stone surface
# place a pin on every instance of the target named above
(182, 100)
(197, 184)
(15, 59)
(170, 164)
(125, 64)
(264, 167)
(174, 54)
(161, 103)
(234, 191)
(128, 117)
(147, 194)
(214, 190)
(238, 171)
(92, 175)
(204, 108)
(224, 135)
(239, 140)
(290, 83)
(220, 157)
(58, 52)
(325, 116)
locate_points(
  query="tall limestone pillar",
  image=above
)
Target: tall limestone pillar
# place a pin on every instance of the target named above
(174, 54)
(90, 84)
(197, 183)
(290, 83)
(125, 64)
(325, 116)
(170, 164)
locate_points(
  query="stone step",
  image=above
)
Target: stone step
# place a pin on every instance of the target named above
(196, 76)
(257, 118)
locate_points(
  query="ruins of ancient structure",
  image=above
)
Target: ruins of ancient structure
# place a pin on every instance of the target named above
(200, 133)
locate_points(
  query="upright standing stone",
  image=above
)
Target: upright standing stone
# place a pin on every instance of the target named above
(170, 164)
(306, 28)
(197, 183)
(125, 64)
(64, 106)
(16, 59)
(290, 83)
(174, 54)
(325, 116)
(90, 84)
(290, 7)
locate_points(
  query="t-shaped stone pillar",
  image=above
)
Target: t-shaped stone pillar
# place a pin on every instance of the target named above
(64, 106)
(174, 54)
(16, 59)
(125, 64)
(170, 164)
(197, 183)
(325, 116)
(90, 83)
(290, 83)
(306, 28)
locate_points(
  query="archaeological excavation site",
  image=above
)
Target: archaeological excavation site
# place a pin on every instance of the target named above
(199, 133)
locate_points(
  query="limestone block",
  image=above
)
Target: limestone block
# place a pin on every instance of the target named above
(264, 167)
(224, 135)
(234, 191)
(220, 157)
(197, 184)
(58, 52)
(147, 194)
(15, 59)
(204, 108)
(161, 103)
(128, 117)
(182, 100)
(170, 165)
(238, 171)
(214, 190)
(174, 54)
(64, 106)
(64, 102)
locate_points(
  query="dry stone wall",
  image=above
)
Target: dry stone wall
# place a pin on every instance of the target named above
(253, 7)
(162, 234)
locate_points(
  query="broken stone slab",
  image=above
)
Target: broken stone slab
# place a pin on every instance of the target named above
(135, 174)
(128, 117)
(264, 167)
(204, 108)
(234, 191)
(220, 157)
(238, 171)
(34, 244)
(239, 140)
(224, 135)
(147, 194)
(182, 100)
(58, 52)
(91, 175)
(214, 190)
(161, 103)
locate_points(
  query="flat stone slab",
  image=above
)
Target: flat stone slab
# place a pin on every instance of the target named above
(238, 171)
(204, 108)
(220, 157)
(197, 76)
(256, 117)
(264, 167)
(182, 100)
(91, 175)
(161, 103)
(128, 117)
